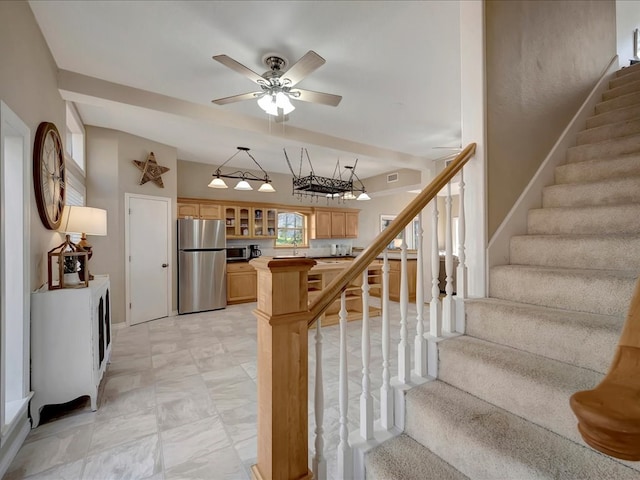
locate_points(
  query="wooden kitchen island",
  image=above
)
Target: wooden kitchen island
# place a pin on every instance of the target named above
(325, 271)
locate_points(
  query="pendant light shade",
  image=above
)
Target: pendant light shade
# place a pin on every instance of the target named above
(363, 196)
(243, 185)
(217, 183)
(266, 187)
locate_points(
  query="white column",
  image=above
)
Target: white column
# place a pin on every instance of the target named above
(420, 341)
(448, 309)
(366, 400)
(345, 464)
(435, 317)
(386, 393)
(319, 463)
(404, 352)
(461, 273)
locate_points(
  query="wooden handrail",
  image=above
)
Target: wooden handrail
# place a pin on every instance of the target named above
(609, 415)
(362, 261)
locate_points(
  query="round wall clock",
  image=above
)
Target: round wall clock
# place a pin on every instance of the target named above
(48, 175)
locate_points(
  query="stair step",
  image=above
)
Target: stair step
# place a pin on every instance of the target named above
(603, 252)
(585, 220)
(605, 149)
(581, 339)
(604, 192)
(530, 386)
(624, 79)
(402, 458)
(610, 131)
(486, 442)
(623, 101)
(626, 88)
(614, 116)
(598, 169)
(628, 70)
(603, 292)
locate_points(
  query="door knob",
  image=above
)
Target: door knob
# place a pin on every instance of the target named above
(165, 265)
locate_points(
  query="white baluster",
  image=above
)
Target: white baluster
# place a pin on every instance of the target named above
(319, 463)
(448, 310)
(366, 400)
(420, 340)
(435, 317)
(404, 352)
(345, 464)
(386, 393)
(461, 274)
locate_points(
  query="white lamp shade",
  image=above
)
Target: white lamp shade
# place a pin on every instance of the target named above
(363, 196)
(349, 196)
(268, 104)
(217, 183)
(266, 187)
(283, 102)
(243, 185)
(88, 220)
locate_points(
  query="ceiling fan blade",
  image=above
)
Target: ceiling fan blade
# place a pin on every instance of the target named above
(235, 98)
(318, 97)
(238, 67)
(303, 67)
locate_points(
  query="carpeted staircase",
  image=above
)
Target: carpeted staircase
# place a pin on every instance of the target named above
(500, 409)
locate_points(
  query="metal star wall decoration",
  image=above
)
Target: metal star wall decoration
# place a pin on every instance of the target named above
(151, 171)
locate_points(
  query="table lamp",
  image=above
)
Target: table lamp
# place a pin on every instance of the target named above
(85, 221)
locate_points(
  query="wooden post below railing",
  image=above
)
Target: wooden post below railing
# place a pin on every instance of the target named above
(282, 315)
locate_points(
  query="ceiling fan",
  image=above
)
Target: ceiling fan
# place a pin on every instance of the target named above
(277, 87)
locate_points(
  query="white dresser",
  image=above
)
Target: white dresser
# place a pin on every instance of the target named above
(70, 343)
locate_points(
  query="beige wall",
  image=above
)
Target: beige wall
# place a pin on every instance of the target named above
(543, 58)
(110, 174)
(28, 86)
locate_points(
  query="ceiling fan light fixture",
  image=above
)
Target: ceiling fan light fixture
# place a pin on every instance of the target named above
(268, 103)
(266, 187)
(217, 183)
(283, 102)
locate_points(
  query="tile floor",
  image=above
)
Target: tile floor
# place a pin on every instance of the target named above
(178, 401)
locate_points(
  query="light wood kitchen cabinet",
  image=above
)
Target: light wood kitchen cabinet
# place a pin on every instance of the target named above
(338, 225)
(265, 222)
(395, 267)
(209, 211)
(351, 224)
(205, 211)
(334, 223)
(321, 227)
(238, 221)
(242, 283)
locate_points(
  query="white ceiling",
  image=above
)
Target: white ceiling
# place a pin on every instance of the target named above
(395, 63)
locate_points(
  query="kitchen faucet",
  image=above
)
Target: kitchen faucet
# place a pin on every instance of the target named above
(295, 248)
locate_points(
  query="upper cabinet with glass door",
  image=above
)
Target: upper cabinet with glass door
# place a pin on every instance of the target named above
(264, 222)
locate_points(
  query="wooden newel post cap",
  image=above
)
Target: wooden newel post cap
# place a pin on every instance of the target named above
(282, 284)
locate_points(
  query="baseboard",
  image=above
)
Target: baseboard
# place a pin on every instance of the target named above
(515, 222)
(12, 444)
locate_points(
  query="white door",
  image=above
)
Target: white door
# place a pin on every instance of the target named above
(148, 250)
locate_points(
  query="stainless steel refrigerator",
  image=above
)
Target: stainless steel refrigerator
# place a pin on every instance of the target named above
(202, 265)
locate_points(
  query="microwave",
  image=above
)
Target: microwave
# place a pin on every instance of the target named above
(238, 254)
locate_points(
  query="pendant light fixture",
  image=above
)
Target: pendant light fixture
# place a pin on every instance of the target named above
(243, 177)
